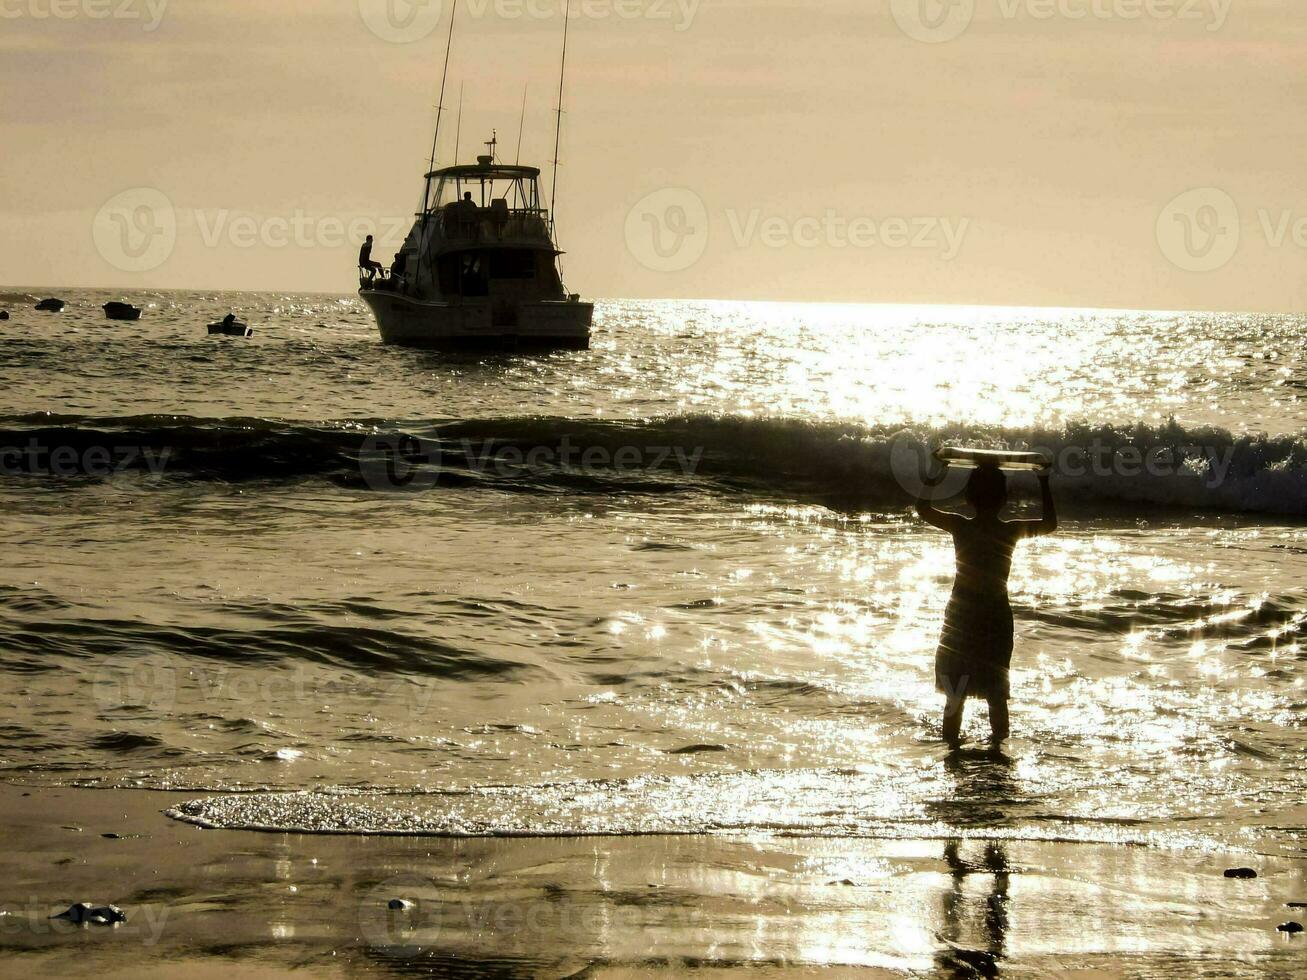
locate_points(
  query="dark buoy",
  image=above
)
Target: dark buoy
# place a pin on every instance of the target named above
(122, 311)
(1240, 873)
(229, 326)
(4, 314)
(399, 905)
(51, 306)
(1289, 927)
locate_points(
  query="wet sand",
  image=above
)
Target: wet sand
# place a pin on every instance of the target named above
(207, 903)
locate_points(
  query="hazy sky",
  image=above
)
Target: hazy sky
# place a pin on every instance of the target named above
(1017, 152)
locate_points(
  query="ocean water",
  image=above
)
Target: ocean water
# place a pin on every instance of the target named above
(671, 584)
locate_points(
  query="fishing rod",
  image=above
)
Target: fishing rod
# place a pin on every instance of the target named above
(440, 111)
(521, 124)
(558, 130)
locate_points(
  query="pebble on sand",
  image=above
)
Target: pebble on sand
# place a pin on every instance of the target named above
(399, 905)
(1289, 927)
(1240, 873)
(100, 915)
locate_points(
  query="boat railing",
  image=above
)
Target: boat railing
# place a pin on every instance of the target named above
(462, 225)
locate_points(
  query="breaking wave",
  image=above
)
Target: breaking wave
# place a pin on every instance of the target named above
(1157, 466)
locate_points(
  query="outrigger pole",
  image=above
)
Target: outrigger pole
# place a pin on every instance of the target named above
(440, 110)
(458, 130)
(558, 130)
(521, 124)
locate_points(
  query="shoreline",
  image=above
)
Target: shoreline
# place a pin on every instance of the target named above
(223, 903)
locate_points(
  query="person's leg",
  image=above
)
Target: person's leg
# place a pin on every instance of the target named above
(953, 708)
(998, 719)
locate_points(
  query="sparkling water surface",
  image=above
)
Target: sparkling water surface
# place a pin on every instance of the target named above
(738, 636)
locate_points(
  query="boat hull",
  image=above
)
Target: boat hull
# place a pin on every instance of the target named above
(546, 325)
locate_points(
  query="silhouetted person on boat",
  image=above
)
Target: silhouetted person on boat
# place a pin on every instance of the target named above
(366, 263)
(975, 649)
(229, 319)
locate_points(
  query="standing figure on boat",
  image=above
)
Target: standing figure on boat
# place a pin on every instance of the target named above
(975, 650)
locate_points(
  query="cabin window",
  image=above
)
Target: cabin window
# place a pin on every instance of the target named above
(512, 265)
(473, 281)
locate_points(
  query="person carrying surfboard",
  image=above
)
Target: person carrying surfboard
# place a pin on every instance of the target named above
(975, 649)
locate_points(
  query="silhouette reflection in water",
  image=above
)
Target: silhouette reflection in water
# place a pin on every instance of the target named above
(973, 929)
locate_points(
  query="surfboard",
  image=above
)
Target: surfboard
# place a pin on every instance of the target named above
(1002, 458)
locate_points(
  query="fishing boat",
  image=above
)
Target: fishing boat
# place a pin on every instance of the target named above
(480, 267)
(229, 326)
(122, 311)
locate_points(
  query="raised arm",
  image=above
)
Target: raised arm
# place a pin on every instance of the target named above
(1048, 523)
(932, 515)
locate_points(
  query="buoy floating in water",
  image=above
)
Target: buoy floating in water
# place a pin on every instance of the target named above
(51, 306)
(229, 326)
(4, 314)
(122, 311)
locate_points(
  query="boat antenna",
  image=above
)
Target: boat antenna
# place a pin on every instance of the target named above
(440, 109)
(521, 124)
(458, 130)
(558, 129)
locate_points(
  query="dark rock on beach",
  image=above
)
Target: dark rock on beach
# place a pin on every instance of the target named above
(100, 915)
(4, 314)
(51, 305)
(1289, 927)
(399, 905)
(1240, 873)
